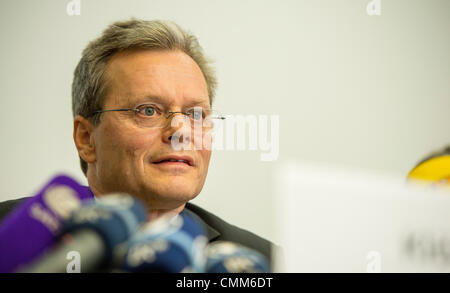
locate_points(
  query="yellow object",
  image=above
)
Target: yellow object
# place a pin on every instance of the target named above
(436, 170)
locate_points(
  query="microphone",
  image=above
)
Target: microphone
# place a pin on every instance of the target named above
(229, 257)
(166, 245)
(34, 226)
(94, 231)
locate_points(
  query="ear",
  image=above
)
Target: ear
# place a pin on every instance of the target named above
(83, 137)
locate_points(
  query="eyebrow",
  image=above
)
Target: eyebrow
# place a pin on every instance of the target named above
(201, 103)
(162, 101)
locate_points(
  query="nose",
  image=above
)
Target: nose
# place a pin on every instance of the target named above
(177, 127)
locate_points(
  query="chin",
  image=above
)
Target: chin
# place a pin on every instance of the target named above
(171, 196)
(179, 195)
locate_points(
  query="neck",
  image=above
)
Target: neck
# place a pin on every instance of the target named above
(153, 213)
(156, 213)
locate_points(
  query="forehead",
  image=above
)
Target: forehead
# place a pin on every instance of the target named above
(170, 77)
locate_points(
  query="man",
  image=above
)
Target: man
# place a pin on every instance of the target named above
(137, 91)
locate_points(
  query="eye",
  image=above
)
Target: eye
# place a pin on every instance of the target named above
(196, 114)
(147, 110)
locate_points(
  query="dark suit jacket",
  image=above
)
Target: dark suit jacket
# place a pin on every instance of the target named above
(217, 229)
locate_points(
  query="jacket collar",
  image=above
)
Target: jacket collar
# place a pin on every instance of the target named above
(211, 233)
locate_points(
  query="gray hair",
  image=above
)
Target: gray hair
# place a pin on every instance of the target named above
(89, 85)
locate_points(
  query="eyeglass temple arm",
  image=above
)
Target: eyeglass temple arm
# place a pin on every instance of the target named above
(112, 110)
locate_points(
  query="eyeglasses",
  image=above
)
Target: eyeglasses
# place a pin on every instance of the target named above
(151, 116)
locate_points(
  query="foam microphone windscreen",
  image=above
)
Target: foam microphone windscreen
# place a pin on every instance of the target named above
(229, 257)
(94, 231)
(170, 245)
(115, 217)
(35, 224)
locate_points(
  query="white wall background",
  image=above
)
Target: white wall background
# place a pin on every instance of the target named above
(352, 89)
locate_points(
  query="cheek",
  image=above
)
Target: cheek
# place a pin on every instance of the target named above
(202, 139)
(127, 143)
(206, 156)
(138, 145)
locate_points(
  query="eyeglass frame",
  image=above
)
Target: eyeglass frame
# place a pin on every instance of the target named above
(136, 111)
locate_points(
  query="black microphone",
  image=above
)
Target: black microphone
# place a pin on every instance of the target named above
(94, 230)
